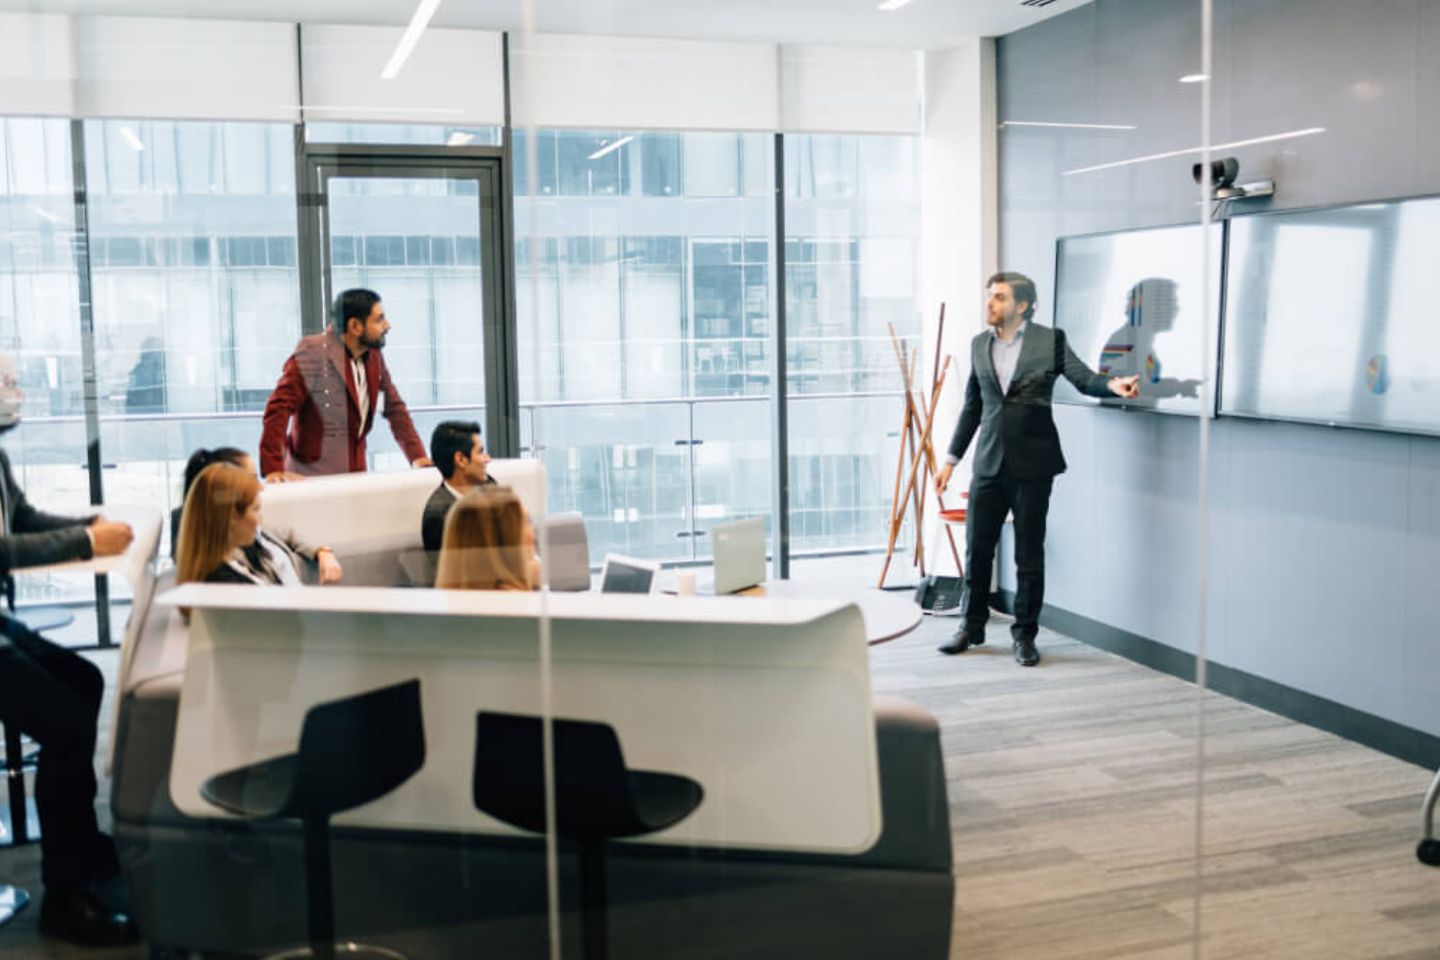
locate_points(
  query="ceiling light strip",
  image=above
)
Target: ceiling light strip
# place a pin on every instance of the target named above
(1308, 131)
(418, 23)
(1068, 126)
(334, 108)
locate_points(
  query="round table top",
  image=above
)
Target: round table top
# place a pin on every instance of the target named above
(41, 619)
(887, 613)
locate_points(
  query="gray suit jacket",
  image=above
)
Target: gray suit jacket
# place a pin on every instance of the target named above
(32, 537)
(1017, 431)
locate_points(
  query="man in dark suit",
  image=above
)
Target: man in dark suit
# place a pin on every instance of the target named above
(52, 695)
(1013, 366)
(319, 414)
(457, 451)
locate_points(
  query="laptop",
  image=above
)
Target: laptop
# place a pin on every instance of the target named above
(629, 575)
(739, 555)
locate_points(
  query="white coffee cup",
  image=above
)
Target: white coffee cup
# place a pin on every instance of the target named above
(685, 583)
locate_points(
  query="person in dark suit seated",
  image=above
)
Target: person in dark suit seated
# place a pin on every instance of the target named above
(1014, 364)
(328, 569)
(459, 454)
(488, 544)
(52, 695)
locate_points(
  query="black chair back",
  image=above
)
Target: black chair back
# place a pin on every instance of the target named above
(356, 750)
(592, 796)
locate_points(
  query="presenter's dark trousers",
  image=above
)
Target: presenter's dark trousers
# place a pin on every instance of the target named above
(991, 499)
(53, 696)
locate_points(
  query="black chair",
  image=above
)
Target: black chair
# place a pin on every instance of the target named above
(12, 898)
(352, 751)
(1429, 849)
(596, 797)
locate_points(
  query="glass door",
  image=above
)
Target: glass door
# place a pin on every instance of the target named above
(424, 232)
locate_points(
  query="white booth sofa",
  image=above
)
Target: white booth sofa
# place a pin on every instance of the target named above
(372, 521)
(446, 884)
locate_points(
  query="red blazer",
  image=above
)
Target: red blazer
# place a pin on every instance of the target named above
(312, 419)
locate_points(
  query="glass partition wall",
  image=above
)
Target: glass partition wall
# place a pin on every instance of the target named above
(671, 322)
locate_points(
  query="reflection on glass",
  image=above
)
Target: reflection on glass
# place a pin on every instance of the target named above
(1327, 316)
(1132, 303)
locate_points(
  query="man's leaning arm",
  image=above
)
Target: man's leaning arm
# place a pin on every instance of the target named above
(400, 424)
(287, 397)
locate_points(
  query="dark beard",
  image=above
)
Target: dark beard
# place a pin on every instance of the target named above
(376, 344)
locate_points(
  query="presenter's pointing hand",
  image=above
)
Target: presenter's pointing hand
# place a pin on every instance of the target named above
(283, 476)
(1126, 387)
(942, 477)
(422, 463)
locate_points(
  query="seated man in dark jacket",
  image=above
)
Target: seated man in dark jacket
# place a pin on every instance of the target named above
(53, 696)
(461, 458)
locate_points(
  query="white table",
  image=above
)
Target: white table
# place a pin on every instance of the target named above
(887, 613)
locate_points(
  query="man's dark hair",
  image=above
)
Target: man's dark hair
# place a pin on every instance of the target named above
(1021, 287)
(202, 458)
(355, 303)
(450, 438)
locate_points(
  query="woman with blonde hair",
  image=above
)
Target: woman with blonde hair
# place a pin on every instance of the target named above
(220, 536)
(488, 544)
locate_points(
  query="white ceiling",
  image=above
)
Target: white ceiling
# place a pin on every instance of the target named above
(923, 23)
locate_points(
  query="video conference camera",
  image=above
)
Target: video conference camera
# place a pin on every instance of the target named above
(1222, 180)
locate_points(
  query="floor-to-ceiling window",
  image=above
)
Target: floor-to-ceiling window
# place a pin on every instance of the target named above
(645, 311)
(40, 329)
(852, 234)
(643, 290)
(196, 290)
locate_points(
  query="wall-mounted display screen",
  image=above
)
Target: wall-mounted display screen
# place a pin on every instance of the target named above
(1333, 316)
(1134, 303)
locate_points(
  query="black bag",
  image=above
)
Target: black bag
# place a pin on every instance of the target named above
(937, 594)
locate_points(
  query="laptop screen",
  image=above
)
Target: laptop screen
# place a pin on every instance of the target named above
(622, 577)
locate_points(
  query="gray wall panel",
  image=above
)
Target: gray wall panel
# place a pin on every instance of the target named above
(1427, 100)
(1325, 544)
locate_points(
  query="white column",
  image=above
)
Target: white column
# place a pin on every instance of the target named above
(959, 236)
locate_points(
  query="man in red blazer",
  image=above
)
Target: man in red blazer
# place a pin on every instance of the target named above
(320, 412)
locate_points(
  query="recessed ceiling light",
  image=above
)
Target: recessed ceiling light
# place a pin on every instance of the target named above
(1195, 78)
(610, 148)
(409, 38)
(459, 139)
(889, 5)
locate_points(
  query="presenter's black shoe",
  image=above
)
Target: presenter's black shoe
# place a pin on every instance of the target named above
(1025, 653)
(962, 640)
(78, 915)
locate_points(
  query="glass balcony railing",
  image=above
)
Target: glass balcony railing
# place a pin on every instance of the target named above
(652, 478)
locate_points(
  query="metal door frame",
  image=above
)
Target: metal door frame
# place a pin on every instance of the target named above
(317, 164)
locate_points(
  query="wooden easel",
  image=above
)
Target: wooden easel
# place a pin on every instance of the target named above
(917, 449)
